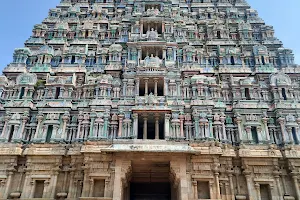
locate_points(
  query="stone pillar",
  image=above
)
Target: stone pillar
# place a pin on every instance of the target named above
(178, 88)
(145, 127)
(196, 125)
(211, 191)
(135, 125)
(179, 166)
(52, 185)
(24, 120)
(195, 187)
(155, 86)
(166, 87)
(106, 188)
(201, 132)
(249, 186)
(8, 185)
(181, 118)
(257, 188)
(156, 127)
(3, 134)
(249, 134)
(32, 187)
(296, 185)
(240, 132)
(137, 88)
(121, 168)
(39, 119)
(93, 133)
(124, 87)
(167, 126)
(105, 126)
(276, 176)
(91, 188)
(120, 125)
(65, 119)
(259, 134)
(139, 55)
(218, 195)
(224, 135)
(26, 187)
(281, 122)
(146, 86)
(290, 135)
(86, 184)
(80, 118)
(141, 29)
(231, 187)
(265, 122)
(71, 186)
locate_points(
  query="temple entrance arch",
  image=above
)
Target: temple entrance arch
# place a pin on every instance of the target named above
(150, 181)
(151, 177)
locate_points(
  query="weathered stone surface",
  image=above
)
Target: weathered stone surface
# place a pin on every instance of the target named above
(181, 100)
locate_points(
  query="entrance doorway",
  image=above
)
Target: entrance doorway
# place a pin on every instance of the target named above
(150, 191)
(150, 181)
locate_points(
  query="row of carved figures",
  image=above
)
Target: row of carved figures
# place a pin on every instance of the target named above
(172, 89)
(54, 127)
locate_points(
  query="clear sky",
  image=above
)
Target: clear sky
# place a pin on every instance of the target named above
(17, 18)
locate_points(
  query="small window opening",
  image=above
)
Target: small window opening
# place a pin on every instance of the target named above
(219, 34)
(203, 190)
(232, 60)
(11, 133)
(39, 188)
(283, 93)
(22, 92)
(263, 60)
(247, 94)
(254, 134)
(57, 92)
(265, 192)
(73, 60)
(296, 141)
(44, 57)
(99, 186)
(49, 133)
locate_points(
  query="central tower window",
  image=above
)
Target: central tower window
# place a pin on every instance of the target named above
(151, 85)
(152, 51)
(149, 25)
(151, 126)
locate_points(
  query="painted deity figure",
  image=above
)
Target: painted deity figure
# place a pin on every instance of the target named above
(151, 61)
(152, 34)
(152, 99)
(152, 12)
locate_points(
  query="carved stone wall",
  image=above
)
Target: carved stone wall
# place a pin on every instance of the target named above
(198, 95)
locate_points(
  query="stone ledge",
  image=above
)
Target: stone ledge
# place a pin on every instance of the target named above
(95, 198)
(39, 199)
(240, 197)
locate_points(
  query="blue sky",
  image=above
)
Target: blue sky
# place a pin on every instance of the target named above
(17, 18)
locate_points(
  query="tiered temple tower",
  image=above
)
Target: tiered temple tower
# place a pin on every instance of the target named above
(151, 100)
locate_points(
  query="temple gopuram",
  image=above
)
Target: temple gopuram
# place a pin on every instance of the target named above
(151, 100)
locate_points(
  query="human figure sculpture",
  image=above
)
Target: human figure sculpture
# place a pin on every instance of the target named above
(153, 11)
(152, 34)
(146, 61)
(152, 61)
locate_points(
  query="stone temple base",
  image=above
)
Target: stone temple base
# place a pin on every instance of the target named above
(122, 171)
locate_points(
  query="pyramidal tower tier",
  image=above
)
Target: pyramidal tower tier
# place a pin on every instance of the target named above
(151, 100)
